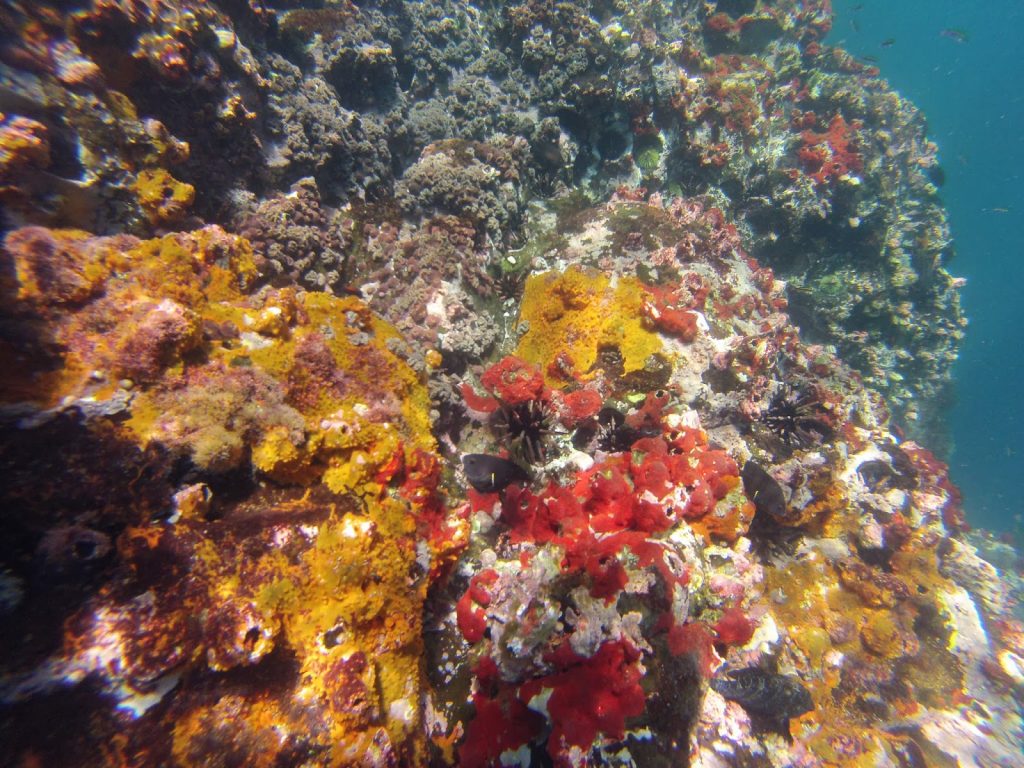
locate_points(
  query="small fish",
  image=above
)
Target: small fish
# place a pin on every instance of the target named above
(956, 34)
(1000, 209)
(764, 490)
(854, 25)
(771, 697)
(889, 42)
(490, 474)
(869, 59)
(858, 6)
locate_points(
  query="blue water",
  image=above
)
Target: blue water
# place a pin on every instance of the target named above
(973, 97)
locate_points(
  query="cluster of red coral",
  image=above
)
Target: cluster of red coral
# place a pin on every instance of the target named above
(832, 154)
(588, 696)
(513, 381)
(674, 309)
(609, 521)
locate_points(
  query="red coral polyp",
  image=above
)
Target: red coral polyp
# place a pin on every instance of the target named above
(617, 504)
(831, 155)
(734, 628)
(650, 517)
(706, 475)
(513, 380)
(653, 475)
(681, 323)
(695, 640)
(611, 498)
(607, 576)
(478, 403)
(501, 724)
(576, 407)
(551, 517)
(720, 471)
(686, 440)
(649, 416)
(699, 502)
(472, 620)
(591, 697)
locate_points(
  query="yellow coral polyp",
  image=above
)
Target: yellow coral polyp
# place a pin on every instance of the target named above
(195, 269)
(433, 358)
(830, 499)
(345, 428)
(276, 455)
(76, 276)
(881, 635)
(373, 368)
(353, 471)
(730, 518)
(277, 316)
(349, 595)
(208, 272)
(257, 723)
(350, 476)
(355, 450)
(919, 565)
(574, 314)
(23, 143)
(814, 642)
(163, 198)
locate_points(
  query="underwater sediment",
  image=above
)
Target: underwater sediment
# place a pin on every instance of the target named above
(505, 384)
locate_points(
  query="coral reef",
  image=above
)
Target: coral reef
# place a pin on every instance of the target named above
(537, 383)
(438, 305)
(24, 146)
(268, 440)
(295, 240)
(475, 181)
(124, 90)
(467, 112)
(646, 563)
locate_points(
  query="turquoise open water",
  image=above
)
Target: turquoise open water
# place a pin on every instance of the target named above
(973, 95)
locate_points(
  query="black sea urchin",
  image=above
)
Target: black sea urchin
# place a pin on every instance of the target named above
(609, 432)
(797, 416)
(524, 428)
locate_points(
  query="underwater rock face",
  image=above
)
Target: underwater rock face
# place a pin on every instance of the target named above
(143, 114)
(422, 383)
(269, 502)
(650, 552)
